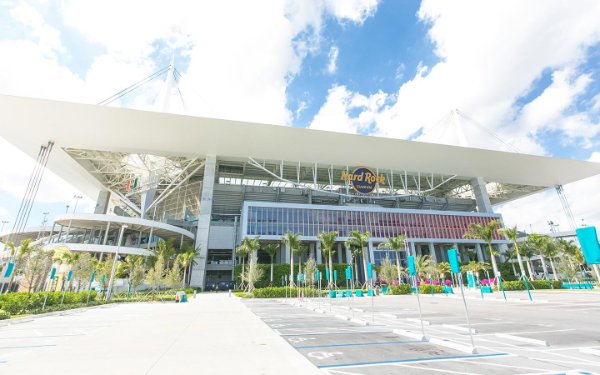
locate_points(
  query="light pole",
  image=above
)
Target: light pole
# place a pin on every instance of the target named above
(112, 273)
(44, 221)
(77, 198)
(67, 210)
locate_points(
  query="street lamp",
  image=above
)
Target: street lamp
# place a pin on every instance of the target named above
(77, 198)
(112, 273)
(43, 227)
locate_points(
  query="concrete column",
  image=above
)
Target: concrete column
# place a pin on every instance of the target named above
(413, 251)
(318, 251)
(480, 257)
(102, 202)
(371, 252)
(206, 200)
(432, 252)
(481, 196)
(339, 253)
(286, 254)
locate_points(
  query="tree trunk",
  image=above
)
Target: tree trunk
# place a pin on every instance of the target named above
(292, 283)
(184, 276)
(544, 267)
(553, 269)
(398, 265)
(364, 254)
(514, 269)
(493, 258)
(520, 261)
(332, 280)
(530, 269)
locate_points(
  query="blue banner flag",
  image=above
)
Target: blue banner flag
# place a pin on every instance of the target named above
(590, 248)
(453, 259)
(69, 275)
(103, 278)
(9, 269)
(93, 277)
(318, 275)
(52, 273)
(411, 266)
(327, 276)
(334, 275)
(370, 270)
(348, 273)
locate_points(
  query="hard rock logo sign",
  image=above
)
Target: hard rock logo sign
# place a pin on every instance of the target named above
(363, 180)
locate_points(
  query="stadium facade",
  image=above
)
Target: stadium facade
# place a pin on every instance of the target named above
(210, 182)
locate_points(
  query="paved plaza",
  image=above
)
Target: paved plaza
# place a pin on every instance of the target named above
(217, 334)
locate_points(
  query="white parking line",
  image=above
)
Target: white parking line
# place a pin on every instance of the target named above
(429, 368)
(522, 339)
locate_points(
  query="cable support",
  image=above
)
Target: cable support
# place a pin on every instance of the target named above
(133, 87)
(488, 131)
(31, 190)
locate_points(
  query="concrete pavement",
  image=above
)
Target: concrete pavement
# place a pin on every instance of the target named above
(212, 334)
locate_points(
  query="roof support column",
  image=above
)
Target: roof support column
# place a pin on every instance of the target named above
(206, 200)
(432, 253)
(318, 252)
(480, 257)
(481, 196)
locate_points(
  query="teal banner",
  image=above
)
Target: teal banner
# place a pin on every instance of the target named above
(327, 276)
(52, 273)
(590, 248)
(453, 259)
(411, 266)
(69, 275)
(103, 278)
(370, 270)
(348, 273)
(9, 269)
(93, 277)
(334, 275)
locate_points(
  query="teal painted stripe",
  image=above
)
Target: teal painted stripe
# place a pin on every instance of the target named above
(427, 359)
(360, 344)
(332, 333)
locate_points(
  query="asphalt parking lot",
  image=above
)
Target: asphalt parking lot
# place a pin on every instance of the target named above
(556, 334)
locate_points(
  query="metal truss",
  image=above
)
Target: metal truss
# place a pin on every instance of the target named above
(114, 170)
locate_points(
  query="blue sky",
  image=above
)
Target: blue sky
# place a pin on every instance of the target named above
(527, 74)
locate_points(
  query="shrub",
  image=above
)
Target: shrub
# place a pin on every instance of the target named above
(18, 303)
(4, 315)
(280, 292)
(426, 289)
(535, 284)
(400, 289)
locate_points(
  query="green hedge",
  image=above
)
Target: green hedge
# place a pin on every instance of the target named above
(535, 284)
(19, 303)
(280, 270)
(426, 289)
(4, 315)
(400, 289)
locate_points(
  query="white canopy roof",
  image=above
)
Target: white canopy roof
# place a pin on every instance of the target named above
(30, 123)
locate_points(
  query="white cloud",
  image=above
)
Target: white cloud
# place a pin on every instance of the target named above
(334, 51)
(242, 56)
(337, 112)
(491, 53)
(353, 10)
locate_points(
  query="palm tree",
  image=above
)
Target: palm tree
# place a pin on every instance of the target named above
(354, 250)
(360, 240)
(442, 269)
(540, 242)
(485, 232)
(571, 251)
(242, 251)
(271, 249)
(528, 251)
(136, 271)
(252, 245)
(292, 241)
(511, 234)
(395, 244)
(551, 251)
(424, 265)
(187, 259)
(327, 242)
(511, 255)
